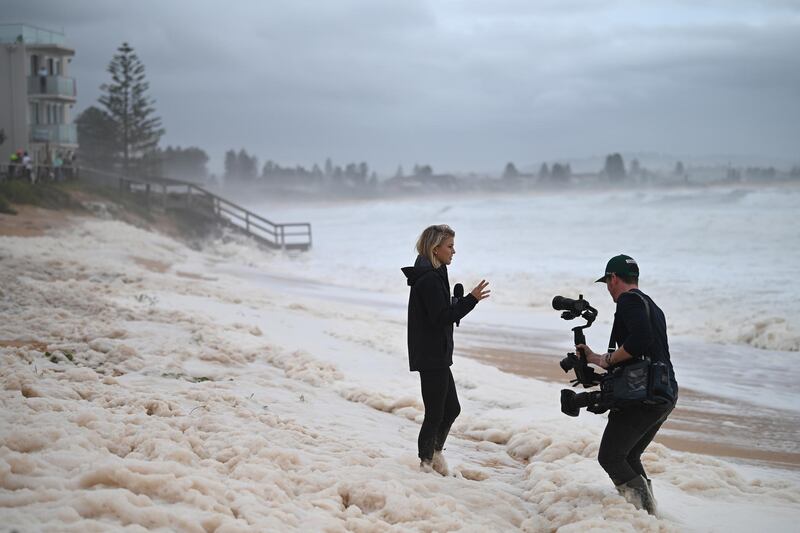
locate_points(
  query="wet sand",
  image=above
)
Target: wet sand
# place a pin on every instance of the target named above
(701, 423)
(159, 267)
(33, 221)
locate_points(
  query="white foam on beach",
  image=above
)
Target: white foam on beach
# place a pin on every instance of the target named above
(224, 404)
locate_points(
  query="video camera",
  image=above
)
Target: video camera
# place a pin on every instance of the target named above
(571, 402)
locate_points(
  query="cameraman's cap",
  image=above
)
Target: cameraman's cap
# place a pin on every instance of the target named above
(621, 265)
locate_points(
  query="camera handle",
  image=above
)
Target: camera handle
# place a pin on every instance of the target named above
(580, 338)
(584, 374)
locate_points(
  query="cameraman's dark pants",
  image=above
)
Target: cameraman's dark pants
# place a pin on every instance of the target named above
(441, 409)
(628, 433)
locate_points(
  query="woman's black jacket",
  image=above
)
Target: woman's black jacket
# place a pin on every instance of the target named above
(431, 316)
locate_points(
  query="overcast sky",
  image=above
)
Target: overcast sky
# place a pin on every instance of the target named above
(463, 85)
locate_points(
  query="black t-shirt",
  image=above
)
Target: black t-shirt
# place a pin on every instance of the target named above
(639, 334)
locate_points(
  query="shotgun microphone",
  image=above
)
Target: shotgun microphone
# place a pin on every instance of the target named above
(458, 292)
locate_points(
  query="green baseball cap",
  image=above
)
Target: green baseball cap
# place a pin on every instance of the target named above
(622, 265)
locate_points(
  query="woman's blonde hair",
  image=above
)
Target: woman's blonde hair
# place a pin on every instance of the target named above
(430, 239)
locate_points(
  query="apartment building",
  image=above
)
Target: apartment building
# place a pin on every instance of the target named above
(37, 95)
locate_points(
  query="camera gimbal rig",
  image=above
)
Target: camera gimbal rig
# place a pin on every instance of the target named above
(584, 374)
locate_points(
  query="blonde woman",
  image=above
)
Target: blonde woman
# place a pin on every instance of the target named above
(431, 314)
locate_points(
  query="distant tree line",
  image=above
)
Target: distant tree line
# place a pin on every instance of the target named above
(241, 167)
(761, 173)
(558, 173)
(188, 164)
(614, 171)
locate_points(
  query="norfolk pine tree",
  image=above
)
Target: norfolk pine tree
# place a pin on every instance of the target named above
(127, 103)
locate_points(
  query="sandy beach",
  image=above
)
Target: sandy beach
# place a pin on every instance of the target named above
(148, 385)
(33, 221)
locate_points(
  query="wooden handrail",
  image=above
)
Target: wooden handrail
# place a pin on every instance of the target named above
(224, 210)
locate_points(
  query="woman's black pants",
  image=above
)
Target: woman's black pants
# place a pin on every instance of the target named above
(441, 409)
(628, 432)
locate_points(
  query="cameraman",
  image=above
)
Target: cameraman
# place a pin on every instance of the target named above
(639, 330)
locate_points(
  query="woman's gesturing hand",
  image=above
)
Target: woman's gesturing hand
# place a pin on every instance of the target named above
(480, 291)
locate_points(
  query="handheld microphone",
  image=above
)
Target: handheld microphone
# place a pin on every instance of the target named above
(458, 292)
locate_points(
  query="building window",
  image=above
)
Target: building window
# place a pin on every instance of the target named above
(34, 65)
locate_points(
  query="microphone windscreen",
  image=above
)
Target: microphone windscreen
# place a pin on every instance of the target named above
(458, 290)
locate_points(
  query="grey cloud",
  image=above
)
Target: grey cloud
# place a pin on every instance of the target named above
(458, 84)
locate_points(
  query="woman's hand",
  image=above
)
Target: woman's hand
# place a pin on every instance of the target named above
(480, 291)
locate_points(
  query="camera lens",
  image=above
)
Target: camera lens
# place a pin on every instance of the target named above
(568, 406)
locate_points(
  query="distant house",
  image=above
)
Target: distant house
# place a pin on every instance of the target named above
(36, 93)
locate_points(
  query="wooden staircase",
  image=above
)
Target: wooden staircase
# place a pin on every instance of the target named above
(166, 194)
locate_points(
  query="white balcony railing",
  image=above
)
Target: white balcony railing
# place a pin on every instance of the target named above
(56, 86)
(25, 33)
(55, 133)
